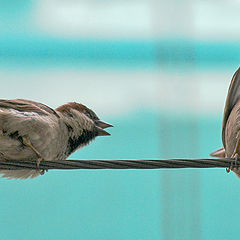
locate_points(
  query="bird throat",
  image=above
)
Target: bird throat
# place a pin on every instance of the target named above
(76, 142)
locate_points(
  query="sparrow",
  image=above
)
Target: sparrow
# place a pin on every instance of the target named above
(231, 124)
(33, 131)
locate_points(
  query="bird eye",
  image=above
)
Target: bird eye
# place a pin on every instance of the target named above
(87, 114)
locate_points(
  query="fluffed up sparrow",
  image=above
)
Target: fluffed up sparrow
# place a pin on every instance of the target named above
(231, 124)
(33, 131)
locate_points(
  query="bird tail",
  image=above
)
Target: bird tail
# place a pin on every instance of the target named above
(19, 174)
(218, 153)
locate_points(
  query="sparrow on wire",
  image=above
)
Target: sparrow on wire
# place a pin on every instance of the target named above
(231, 124)
(33, 131)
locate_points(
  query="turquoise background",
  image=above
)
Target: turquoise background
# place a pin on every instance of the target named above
(129, 204)
(120, 204)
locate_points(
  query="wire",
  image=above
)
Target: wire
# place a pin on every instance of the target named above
(121, 164)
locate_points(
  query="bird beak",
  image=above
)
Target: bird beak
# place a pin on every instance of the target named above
(219, 153)
(102, 124)
(102, 132)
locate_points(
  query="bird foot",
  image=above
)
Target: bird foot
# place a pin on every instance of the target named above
(27, 142)
(234, 164)
(41, 171)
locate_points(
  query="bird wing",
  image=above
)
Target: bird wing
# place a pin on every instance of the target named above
(19, 118)
(232, 98)
(23, 105)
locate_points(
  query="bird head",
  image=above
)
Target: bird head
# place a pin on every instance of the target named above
(85, 114)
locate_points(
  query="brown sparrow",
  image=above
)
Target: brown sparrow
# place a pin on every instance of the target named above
(231, 124)
(33, 131)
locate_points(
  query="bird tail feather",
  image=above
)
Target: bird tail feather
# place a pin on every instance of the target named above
(19, 174)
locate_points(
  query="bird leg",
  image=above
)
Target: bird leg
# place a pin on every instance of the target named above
(27, 142)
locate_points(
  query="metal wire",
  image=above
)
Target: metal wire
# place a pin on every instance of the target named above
(121, 164)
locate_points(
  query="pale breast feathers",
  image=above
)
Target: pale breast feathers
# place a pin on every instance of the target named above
(233, 98)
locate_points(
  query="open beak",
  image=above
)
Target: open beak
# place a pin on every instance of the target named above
(102, 132)
(103, 124)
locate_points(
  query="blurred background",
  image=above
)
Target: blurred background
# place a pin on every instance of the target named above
(158, 71)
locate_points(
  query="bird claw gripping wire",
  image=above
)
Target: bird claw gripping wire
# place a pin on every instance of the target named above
(234, 164)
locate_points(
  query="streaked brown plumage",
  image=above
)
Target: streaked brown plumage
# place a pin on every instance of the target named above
(34, 131)
(231, 123)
